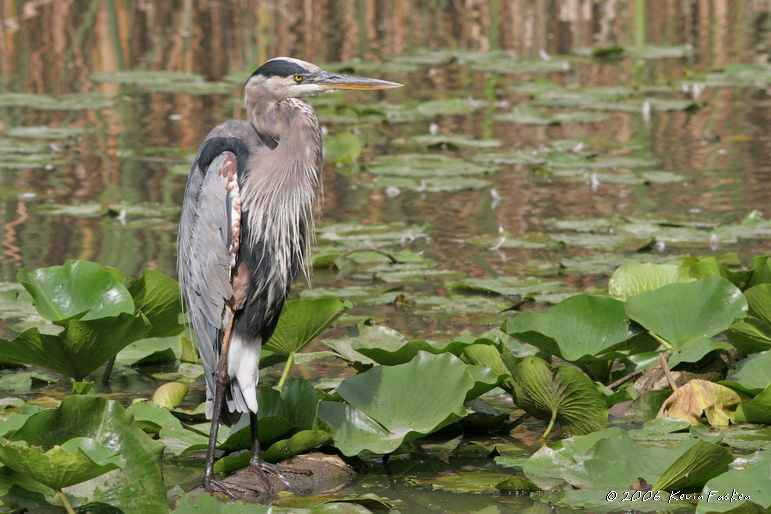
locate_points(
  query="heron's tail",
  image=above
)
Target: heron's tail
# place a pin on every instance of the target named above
(244, 371)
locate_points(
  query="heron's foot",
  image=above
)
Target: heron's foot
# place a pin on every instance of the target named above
(211, 485)
(263, 469)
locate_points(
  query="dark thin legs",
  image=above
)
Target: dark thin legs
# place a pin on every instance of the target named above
(222, 381)
(262, 468)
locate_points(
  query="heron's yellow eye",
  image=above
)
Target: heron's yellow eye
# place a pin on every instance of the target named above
(298, 78)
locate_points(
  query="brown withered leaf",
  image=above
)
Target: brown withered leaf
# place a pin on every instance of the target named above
(700, 397)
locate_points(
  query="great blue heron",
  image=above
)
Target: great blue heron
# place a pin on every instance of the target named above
(245, 232)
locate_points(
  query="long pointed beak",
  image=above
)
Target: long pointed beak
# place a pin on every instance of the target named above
(333, 81)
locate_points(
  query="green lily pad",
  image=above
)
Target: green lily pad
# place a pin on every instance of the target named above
(151, 350)
(74, 289)
(565, 395)
(367, 336)
(465, 481)
(390, 405)
(506, 286)
(170, 395)
(75, 461)
(687, 313)
(69, 102)
(753, 372)
(392, 356)
(578, 328)
(701, 462)
(44, 132)
(750, 335)
(138, 485)
(302, 320)
(757, 410)
(591, 462)
(82, 347)
(163, 81)
(157, 296)
(747, 477)
(426, 166)
(343, 148)
(452, 141)
(205, 503)
(524, 115)
(635, 278)
(429, 184)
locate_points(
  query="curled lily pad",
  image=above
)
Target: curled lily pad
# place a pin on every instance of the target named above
(170, 395)
(388, 405)
(565, 395)
(77, 288)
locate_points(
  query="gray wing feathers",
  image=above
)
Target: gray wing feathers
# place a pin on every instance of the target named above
(204, 265)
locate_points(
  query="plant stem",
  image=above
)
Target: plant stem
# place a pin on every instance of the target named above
(551, 424)
(623, 380)
(285, 374)
(665, 367)
(661, 340)
(66, 502)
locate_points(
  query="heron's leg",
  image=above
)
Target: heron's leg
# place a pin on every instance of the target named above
(262, 468)
(222, 380)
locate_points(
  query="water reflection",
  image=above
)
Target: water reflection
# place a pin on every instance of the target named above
(136, 150)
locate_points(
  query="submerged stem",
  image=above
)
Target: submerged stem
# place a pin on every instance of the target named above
(66, 502)
(551, 424)
(285, 374)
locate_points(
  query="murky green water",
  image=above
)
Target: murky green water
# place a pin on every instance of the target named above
(659, 152)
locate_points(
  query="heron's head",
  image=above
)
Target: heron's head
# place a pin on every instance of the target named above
(285, 77)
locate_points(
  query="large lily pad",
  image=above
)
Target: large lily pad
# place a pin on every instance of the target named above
(76, 288)
(389, 405)
(58, 466)
(635, 278)
(592, 462)
(82, 347)
(565, 395)
(302, 320)
(138, 485)
(577, 328)
(688, 314)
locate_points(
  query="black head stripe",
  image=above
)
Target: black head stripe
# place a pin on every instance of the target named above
(280, 68)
